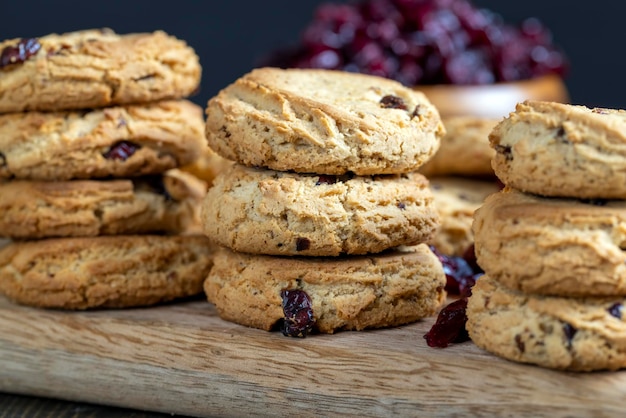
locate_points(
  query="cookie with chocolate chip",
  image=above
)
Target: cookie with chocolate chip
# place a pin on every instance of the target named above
(324, 122)
(94, 68)
(577, 334)
(167, 203)
(322, 294)
(104, 272)
(120, 141)
(555, 149)
(280, 213)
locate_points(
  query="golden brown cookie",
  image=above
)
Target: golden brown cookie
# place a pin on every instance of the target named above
(555, 332)
(556, 246)
(207, 165)
(456, 199)
(345, 293)
(111, 142)
(94, 68)
(159, 203)
(324, 122)
(555, 149)
(270, 212)
(104, 272)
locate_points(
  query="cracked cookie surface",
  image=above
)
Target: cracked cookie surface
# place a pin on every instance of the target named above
(269, 212)
(347, 293)
(160, 203)
(117, 141)
(555, 149)
(577, 334)
(323, 121)
(558, 246)
(104, 272)
(95, 68)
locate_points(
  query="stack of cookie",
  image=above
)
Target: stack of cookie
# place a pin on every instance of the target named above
(92, 128)
(552, 242)
(323, 189)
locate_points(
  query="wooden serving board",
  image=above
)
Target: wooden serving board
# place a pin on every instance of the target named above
(182, 359)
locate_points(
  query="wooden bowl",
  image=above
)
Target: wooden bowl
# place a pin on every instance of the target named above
(493, 101)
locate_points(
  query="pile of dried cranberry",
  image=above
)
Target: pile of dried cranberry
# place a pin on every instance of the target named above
(423, 42)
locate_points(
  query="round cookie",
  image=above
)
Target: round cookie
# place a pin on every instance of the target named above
(554, 246)
(94, 68)
(111, 142)
(207, 165)
(323, 121)
(555, 149)
(159, 203)
(464, 150)
(104, 272)
(556, 332)
(268, 212)
(346, 293)
(456, 199)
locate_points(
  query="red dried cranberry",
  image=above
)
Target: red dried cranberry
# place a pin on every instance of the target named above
(616, 310)
(298, 312)
(121, 151)
(460, 277)
(569, 331)
(392, 102)
(450, 325)
(302, 244)
(24, 49)
(469, 255)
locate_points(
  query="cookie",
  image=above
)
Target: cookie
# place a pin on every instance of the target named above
(104, 272)
(464, 150)
(346, 293)
(555, 149)
(111, 142)
(94, 68)
(324, 122)
(456, 199)
(207, 165)
(554, 246)
(159, 203)
(556, 332)
(268, 212)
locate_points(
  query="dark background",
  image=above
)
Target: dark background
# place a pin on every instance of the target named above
(231, 36)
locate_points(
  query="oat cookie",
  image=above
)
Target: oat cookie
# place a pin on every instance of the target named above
(104, 272)
(456, 199)
(464, 150)
(347, 293)
(556, 332)
(207, 165)
(323, 121)
(159, 203)
(94, 68)
(555, 149)
(555, 246)
(269, 212)
(117, 141)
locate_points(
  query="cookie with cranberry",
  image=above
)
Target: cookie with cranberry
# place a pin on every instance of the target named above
(111, 142)
(322, 294)
(94, 68)
(556, 246)
(159, 203)
(106, 271)
(555, 149)
(456, 199)
(269, 212)
(464, 150)
(323, 121)
(577, 334)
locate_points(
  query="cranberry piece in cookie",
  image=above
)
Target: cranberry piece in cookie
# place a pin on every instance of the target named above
(298, 313)
(122, 150)
(19, 53)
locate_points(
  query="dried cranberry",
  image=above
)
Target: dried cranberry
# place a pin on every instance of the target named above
(392, 102)
(121, 151)
(616, 310)
(460, 277)
(450, 325)
(401, 205)
(24, 49)
(469, 255)
(569, 331)
(298, 313)
(326, 179)
(302, 244)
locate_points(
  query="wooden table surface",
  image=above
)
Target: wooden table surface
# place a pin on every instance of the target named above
(182, 359)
